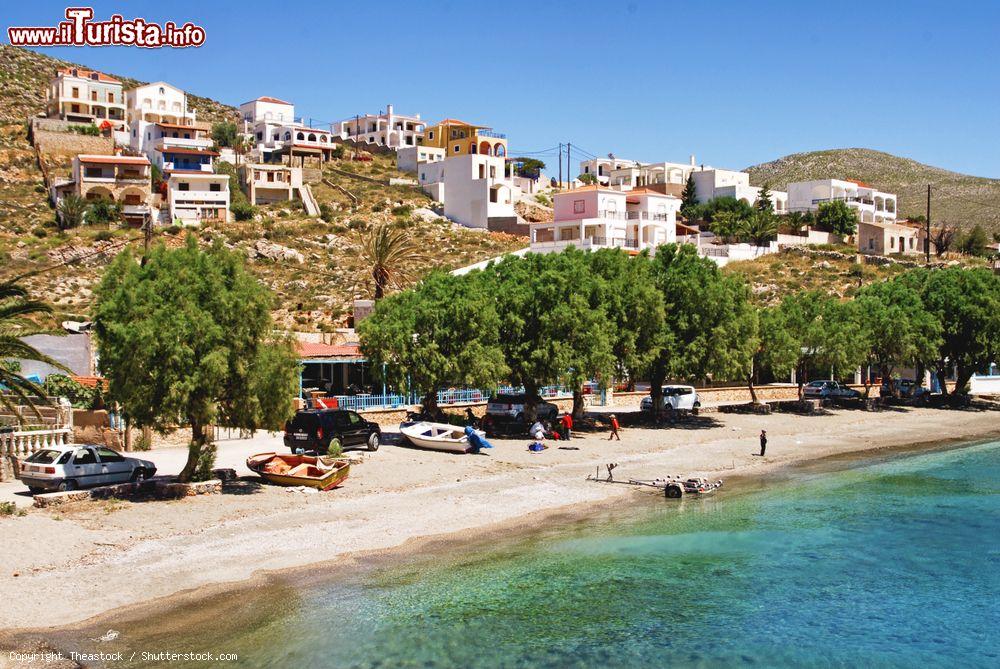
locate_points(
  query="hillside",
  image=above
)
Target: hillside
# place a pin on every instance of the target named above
(956, 198)
(314, 294)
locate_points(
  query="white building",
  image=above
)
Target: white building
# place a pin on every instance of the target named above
(86, 96)
(602, 168)
(476, 190)
(382, 129)
(266, 110)
(412, 158)
(195, 197)
(594, 217)
(715, 183)
(872, 205)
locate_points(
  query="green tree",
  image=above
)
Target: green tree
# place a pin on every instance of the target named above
(224, 133)
(187, 336)
(104, 211)
(552, 329)
(727, 224)
(587, 178)
(391, 254)
(634, 309)
(966, 303)
(71, 211)
(529, 167)
(759, 228)
(895, 327)
(710, 329)
(689, 199)
(974, 242)
(837, 217)
(778, 349)
(763, 202)
(823, 334)
(18, 319)
(442, 333)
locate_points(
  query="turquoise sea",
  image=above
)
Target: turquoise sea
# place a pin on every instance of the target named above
(891, 563)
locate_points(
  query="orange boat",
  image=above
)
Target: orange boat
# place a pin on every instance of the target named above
(294, 470)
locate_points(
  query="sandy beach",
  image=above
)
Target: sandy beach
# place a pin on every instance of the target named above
(65, 565)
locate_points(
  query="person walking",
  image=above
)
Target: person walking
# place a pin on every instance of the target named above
(567, 426)
(614, 429)
(763, 442)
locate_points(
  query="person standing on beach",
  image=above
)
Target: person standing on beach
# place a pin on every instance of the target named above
(614, 428)
(763, 442)
(567, 425)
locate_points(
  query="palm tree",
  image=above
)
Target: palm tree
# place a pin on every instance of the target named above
(71, 210)
(240, 146)
(391, 254)
(760, 227)
(16, 310)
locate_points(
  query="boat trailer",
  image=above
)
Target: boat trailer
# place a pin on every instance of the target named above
(673, 487)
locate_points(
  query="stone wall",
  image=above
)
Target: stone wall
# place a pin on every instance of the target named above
(512, 225)
(72, 144)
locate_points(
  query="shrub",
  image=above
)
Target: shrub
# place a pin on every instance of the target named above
(10, 509)
(206, 463)
(378, 206)
(338, 151)
(39, 232)
(173, 229)
(326, 212)
(243, 211)
(104, 211)
(70, 212)
(103, 236)
(402, 210)
(143, 443)
(358, 224)
(91, 130)
(79, 395)
(336, 448)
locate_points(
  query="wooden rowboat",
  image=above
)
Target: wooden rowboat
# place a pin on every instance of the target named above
(295, 470)
(436, 436)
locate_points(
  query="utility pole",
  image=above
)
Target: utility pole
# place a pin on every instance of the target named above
(569, 169)
(147, 238)
(927, 242)
(560, 165)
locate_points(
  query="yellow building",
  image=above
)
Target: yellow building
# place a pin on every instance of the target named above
(460, 138)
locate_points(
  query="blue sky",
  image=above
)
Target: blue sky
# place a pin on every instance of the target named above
(733, 82)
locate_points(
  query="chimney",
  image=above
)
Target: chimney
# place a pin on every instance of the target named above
(388, 110)
(692, 160)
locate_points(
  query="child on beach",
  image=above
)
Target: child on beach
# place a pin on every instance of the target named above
(614, 428)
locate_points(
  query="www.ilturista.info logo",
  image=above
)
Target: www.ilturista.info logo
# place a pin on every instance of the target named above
(80, 30)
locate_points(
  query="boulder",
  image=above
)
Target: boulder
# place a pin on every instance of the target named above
(271, 251)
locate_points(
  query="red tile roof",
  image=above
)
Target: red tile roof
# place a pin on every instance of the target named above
(859, 183)
(86, 74)
(115, 160)
(316, 350)
(90, 381)
(273, 100)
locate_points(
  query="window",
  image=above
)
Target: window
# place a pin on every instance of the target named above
(183, 186)
(111, 97)
(457, 148)
(93, 95)
(892, 242)
(430, 135)
(76, 92)
(260, 136)
(215, 188)
(93, 172)
(353, 418)
(75, 109)
(871, 243)
(493, 172)
(84, 456)
(107, 455)
(579, 206)
(912, 240)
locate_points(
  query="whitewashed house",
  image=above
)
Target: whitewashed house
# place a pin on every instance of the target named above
(872, 205)
(714, 183)
(277, 135)
(594, 217)
(151, 104)
(602, 168)
(383, 129)
(412, 158)
(476, 189)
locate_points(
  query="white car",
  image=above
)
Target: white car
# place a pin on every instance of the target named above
(79, 466)
(677, 398)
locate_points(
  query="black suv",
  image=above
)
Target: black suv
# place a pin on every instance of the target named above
(312, 429)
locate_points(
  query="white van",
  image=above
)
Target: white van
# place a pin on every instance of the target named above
(678, 398)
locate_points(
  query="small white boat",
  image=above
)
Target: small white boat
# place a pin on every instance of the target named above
(437, 436)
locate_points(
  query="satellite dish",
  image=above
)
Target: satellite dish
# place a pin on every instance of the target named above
(611, 156)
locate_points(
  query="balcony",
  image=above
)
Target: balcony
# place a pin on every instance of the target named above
(490, 133)
(647, 216)
(167, 143)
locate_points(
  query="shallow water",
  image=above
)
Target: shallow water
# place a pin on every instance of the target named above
(888, 564)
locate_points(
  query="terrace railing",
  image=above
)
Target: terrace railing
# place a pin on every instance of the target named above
(444, 397)
(24, 441)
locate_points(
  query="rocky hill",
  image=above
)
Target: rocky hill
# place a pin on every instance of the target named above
(955, 198)
(314, 266)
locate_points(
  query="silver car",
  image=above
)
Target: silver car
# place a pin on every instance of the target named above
(79, 466)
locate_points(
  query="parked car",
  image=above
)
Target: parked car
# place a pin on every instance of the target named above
(79, 466)
(312, 430)
(905, 389)
(829, 390)
(510, 406)
(676, 398)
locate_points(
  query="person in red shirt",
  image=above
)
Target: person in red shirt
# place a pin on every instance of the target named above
(567, 425)
(614, 428)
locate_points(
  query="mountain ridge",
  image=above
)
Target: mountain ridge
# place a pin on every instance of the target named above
(956, 198)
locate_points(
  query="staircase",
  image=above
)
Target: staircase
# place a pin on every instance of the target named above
(308, 200)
